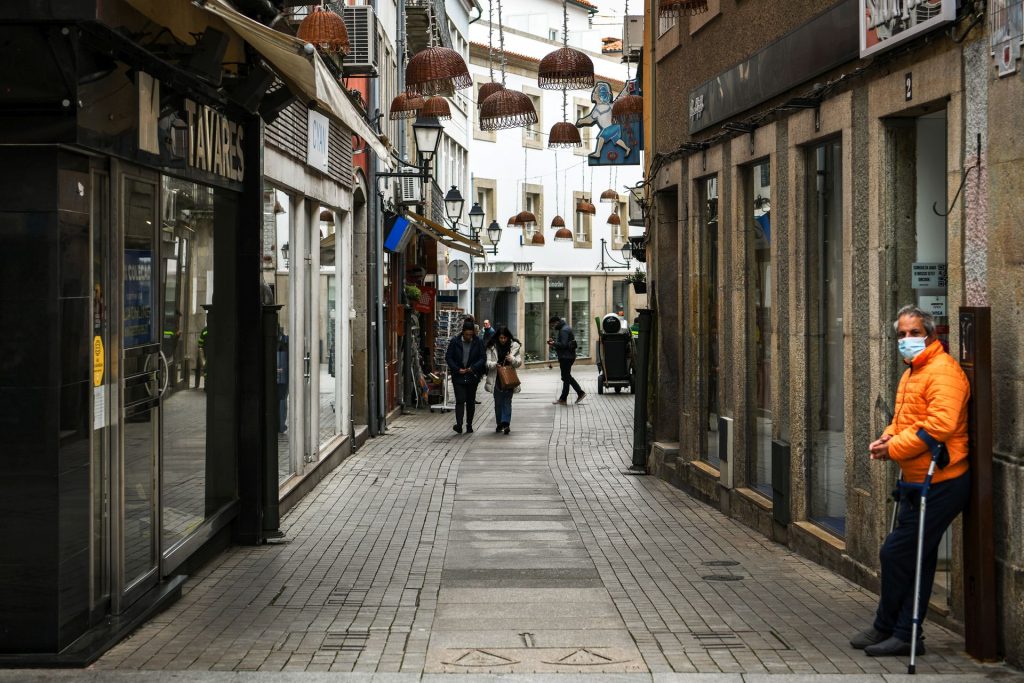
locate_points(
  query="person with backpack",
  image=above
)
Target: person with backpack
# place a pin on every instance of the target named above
(564, 344)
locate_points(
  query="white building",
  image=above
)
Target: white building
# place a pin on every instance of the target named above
(523, 284)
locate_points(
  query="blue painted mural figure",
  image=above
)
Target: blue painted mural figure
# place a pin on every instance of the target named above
(617, 144)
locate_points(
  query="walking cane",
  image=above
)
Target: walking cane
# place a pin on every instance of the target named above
(940, 458)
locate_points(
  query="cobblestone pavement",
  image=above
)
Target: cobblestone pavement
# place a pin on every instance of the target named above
(429, 552)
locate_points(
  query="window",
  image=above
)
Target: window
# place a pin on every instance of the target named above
(582, 110)
(580, 315)
(582, 223)
(826, 358)
(760, 276)
(553, 34)
(620, 232)
(485, 195)
(532, 134)
(536, 335)
(478, 134)
(665, 23)
(565, 297)
(533, 201)
(707, 192)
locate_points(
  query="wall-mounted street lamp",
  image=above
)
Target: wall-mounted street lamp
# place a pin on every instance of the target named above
(427, 131)
(453, 206)
(476, 220)
(494, 235)
(611, 263)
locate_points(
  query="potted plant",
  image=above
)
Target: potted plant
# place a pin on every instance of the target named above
(639, 280)
(412, 294)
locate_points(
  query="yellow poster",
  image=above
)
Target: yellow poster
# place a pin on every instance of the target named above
(97, 361)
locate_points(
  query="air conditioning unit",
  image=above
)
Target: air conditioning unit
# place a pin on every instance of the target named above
(632, 38)
(362, 35)
(410, 191)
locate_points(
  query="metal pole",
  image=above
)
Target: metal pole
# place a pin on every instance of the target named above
(640, 372)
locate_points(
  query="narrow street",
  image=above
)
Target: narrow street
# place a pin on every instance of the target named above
(430, 552)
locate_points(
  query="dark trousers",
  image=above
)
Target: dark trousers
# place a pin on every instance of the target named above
(465, 401)
(946, 500)
(502, 406)
(565, 365)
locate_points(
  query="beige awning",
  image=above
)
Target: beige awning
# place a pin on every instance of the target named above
(305, 75)
(446, 237)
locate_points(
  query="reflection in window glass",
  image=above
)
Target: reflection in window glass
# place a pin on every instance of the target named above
(760, 275)
(581, 314)
(825, 320)
(558, 304)
(277, 210)
(186, 255)
(708, 192)
(327, 326)
(536, 322)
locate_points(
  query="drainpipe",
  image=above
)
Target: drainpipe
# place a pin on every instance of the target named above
(640, 374)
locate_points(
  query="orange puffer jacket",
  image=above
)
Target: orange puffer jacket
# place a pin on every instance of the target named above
(933, 394)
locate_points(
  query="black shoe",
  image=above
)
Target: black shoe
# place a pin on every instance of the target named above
(868, 637)
(469, 429)
(507, 429)
(457, 428)
(892, 647)
(498, 428)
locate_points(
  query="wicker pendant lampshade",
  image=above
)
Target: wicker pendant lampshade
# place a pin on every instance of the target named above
(325, 30)
(557, 222)
(486, 90)
(326, 216)
(537, 239)
(676, 8)
(562, 233)
(507, 109)
(609, 196)
(614, 219)
(628, 109)
(564, 134)
(512, 221)
(566, 68)
(438, 107)
(526, 219)
(437, 70)
(584, 206)
(405, 106)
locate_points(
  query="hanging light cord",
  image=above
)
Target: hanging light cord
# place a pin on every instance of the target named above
(626, 42)
(490, 39)
(501, 43)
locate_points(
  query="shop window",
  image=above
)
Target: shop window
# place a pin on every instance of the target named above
(826, 356)
(707, 190)
(580, 315)
(186, 256)
(327, 341)
(558, 302)
(532, 133)
(536, 334)
(761, 278)
(278, 210)
(620, 297)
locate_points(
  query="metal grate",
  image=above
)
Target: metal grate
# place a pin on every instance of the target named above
(345, 641)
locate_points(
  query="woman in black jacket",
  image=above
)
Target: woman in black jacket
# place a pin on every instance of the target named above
(467, 363)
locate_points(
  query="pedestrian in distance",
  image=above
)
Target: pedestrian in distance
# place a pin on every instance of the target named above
(488, 332)
(502, 349)
(467, 362)
(930, 420)
(564, 344)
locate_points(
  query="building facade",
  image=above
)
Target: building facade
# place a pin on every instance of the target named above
(851, 164)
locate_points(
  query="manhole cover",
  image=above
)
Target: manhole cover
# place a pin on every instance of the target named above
(720, 563)
(722, 577)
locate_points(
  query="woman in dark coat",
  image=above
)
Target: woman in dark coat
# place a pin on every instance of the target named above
(467, 363)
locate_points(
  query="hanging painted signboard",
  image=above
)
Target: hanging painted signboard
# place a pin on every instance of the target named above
(887, 23)
(617, 144)
(1007, 34)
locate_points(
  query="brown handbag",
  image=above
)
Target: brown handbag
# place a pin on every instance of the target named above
(508, 376)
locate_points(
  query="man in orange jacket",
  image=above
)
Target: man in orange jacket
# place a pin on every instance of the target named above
(932, 396)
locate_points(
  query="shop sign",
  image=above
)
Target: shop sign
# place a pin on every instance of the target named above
(887, 23)
(138, 297)
(425, 304)
(616, 144)
(318, 141)
(1007, 34)
(928, 275)
(215, 142)
(936, 305)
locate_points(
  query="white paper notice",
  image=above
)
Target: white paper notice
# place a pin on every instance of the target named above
(99, 407)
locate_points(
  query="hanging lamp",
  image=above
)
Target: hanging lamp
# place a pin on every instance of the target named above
(627, 109)
(566, 68)
(609, 196)
(585, 207)
(562, 234)
(564, 134)
(486, 90)
(506, 108)
(537, 239)
(437, 107)
(680, 8)
(526, 219)
(613, 219)
(436, 69)
(405, 106)
(325, 30)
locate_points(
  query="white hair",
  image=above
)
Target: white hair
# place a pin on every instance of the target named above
(914, 312)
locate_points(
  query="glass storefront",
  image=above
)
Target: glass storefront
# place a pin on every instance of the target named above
(186, 248)
(759, 259)
(326, 327)
(546, 297)
(277, 218)
(707, 190)
(826, 361)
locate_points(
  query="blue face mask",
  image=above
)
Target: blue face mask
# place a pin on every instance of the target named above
(910, 347)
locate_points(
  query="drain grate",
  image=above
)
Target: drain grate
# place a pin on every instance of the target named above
(351, 596)
(345, 641)
(721, 563)
(722, 577)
